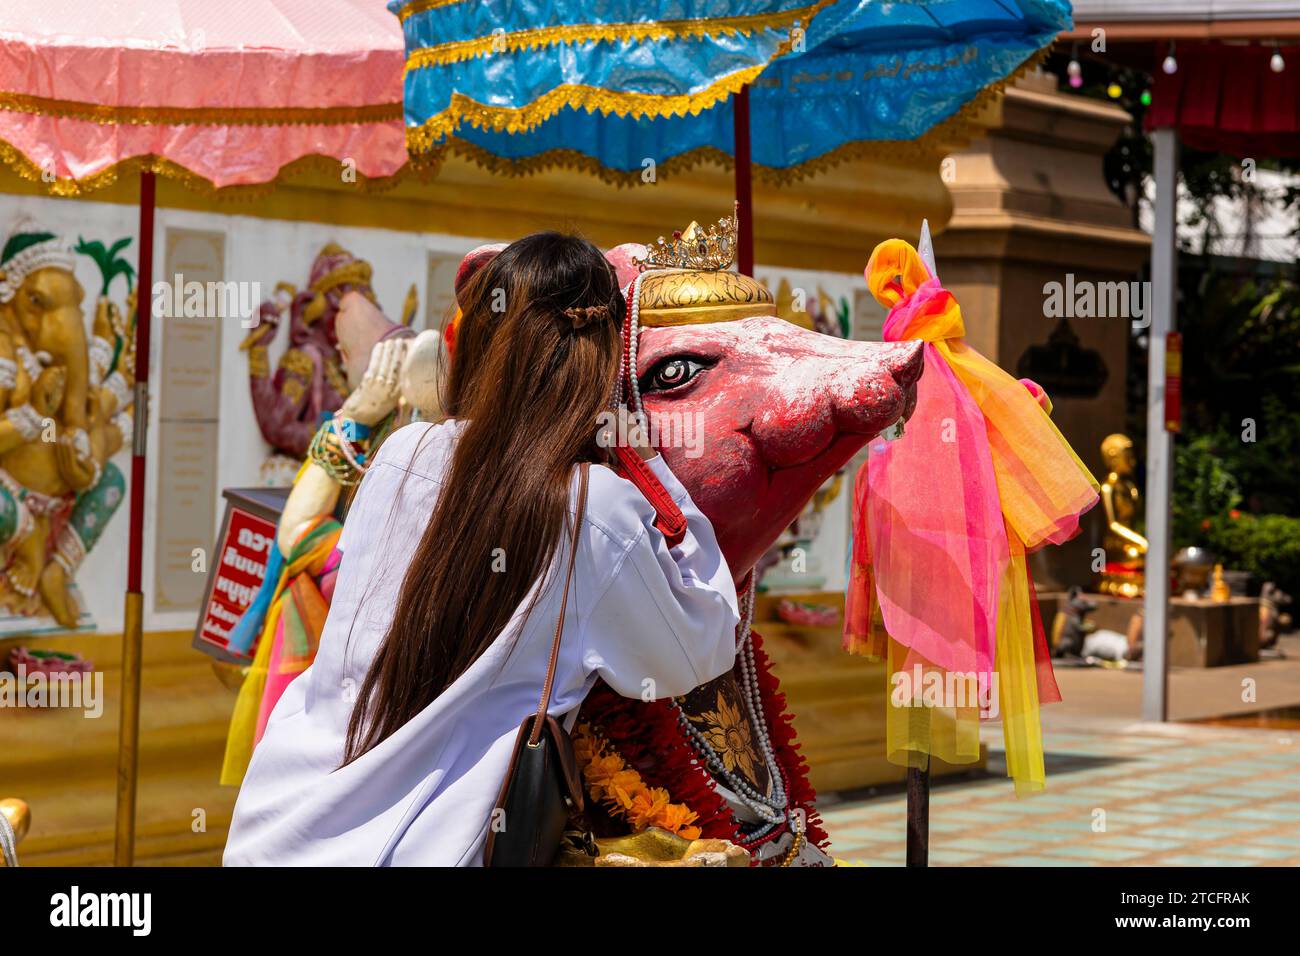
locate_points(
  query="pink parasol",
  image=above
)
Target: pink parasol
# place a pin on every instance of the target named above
(220, 95)
(228, 93)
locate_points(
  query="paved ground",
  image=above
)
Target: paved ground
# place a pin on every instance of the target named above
(1117, 794)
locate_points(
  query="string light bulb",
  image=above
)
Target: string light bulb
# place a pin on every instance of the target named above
(1114, 91)
(1170, 66)
(1275, 62)
(1074, 69)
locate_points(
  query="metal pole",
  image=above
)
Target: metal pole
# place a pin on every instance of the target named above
(1160, 442)
(128, 728)
(918, 816)
(744, 184)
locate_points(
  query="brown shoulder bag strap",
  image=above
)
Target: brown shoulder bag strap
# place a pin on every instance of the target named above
(544, 704)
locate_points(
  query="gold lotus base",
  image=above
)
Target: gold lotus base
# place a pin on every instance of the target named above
(652, 847)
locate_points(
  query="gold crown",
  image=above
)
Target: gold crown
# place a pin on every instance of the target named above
(696, 248)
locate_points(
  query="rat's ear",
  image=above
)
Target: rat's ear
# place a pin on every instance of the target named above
(474, 260)
(624, 260)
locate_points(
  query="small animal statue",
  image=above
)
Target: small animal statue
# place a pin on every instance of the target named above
(1071, 627)
(15, 821)
(1272, 619)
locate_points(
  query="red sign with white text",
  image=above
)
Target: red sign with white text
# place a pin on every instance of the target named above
(240, 568)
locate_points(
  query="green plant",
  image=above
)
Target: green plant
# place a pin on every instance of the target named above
(1268, 546)
(1203, 487)
(1264, 466)
(111, 265)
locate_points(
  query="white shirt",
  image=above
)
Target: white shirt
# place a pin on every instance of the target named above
(642, 617)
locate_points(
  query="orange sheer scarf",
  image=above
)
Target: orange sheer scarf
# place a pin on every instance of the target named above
(982, 478)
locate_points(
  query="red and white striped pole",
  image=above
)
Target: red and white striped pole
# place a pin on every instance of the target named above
(128, 730)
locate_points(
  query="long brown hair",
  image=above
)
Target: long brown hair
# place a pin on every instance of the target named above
(536, 355)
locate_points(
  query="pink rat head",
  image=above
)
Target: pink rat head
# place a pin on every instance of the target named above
(751, 412)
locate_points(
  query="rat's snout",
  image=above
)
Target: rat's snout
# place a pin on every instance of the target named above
(906, 362)
(879, 387)
(910, 363)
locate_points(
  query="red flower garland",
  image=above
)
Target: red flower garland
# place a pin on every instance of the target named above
(649, 738)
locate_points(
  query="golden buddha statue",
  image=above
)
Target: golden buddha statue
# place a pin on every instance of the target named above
(1123, 575)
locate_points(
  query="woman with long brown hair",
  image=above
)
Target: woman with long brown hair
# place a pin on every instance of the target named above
(392, 747)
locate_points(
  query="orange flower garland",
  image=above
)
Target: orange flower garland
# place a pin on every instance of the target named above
(622, 791)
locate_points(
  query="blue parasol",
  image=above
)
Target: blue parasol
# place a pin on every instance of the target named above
(608, 84)
(616, 87)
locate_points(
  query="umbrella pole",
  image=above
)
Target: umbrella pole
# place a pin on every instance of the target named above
(918, 816)
(744, 184)
(128, 730)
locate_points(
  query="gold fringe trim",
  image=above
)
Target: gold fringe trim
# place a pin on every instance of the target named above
(959, 127)
(420, 6)
(201, 115)
(914, 150)
(131, 168)
(519, 119)
(456, 51)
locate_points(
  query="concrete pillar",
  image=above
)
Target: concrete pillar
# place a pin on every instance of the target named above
(1160, 443)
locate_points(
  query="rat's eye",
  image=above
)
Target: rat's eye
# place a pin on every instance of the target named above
(672, 373)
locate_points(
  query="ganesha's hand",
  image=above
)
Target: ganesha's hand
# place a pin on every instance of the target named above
(358, 310)
(48, 390)
(378, 393)
(422, 371)
(76, 460)
(268, 321)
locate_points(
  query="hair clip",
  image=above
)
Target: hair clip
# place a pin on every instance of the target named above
(581, 315)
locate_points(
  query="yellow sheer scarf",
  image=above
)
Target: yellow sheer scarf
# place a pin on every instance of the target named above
(1042, 488)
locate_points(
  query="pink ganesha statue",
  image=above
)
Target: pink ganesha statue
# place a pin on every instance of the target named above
(308, 382)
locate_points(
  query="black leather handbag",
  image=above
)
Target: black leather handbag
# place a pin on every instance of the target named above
(543, 785)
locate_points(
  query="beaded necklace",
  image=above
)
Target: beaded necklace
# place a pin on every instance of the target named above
(772, 810)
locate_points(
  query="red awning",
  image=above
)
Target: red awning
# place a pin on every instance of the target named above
(1225, 98)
